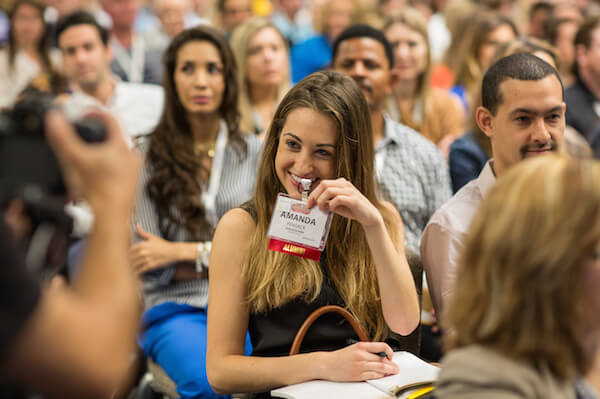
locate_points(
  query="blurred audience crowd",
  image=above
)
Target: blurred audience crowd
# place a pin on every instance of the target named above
(454, 92)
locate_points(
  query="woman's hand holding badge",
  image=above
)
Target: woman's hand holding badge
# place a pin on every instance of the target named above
(341, 197)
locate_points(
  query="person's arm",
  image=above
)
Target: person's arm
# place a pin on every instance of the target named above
(154, 252)
(439, 253)
(399, 300)
(79, 341)
(227, 368)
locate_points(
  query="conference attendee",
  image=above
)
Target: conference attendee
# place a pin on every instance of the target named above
(540, 13)
(231, 13)
(329, 20)
(73, 340)
(198, 165)
(411, 171)
(524, 318)
(172, 16)
(27, 54)
(293, 19)
(86, 54)
(523, 114)
(560, 32)
(583, 97)
(134, 59)
(432, 112)
(483, 33)
(470, 152)
(321, 132)
(263, 73)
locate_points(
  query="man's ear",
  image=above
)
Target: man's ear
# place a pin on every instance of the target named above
(485, 121)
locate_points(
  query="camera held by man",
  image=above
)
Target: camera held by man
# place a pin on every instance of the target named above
(73, 340)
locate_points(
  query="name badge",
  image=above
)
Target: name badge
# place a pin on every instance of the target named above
(297, 230)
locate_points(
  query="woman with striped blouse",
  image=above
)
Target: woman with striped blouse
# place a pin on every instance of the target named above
(197, 166)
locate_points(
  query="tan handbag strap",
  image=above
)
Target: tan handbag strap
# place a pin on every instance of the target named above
(320, 312)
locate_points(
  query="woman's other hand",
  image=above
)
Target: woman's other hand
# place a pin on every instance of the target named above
(151, 253)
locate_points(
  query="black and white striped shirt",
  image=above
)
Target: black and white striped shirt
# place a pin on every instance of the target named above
(235, 187)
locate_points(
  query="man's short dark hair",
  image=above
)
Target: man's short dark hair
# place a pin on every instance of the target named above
(81, 17)
(520, 66)
(364, 31)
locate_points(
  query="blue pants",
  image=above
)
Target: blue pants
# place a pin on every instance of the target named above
(174, 337)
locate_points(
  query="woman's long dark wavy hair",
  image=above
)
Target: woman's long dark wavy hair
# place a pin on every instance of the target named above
(42, 46)
(174, 186)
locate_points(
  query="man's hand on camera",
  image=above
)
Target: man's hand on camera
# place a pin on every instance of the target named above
(104, 174)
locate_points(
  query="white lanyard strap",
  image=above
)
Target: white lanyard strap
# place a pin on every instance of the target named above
(133, 64)
(209, 196)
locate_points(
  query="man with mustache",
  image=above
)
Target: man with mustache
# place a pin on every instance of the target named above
(411, 171)
(523, 114)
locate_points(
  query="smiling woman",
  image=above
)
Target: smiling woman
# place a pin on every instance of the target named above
(321, 131)
(303, 155)
(197, 167)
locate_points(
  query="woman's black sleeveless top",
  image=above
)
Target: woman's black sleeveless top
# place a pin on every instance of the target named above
(273, 332)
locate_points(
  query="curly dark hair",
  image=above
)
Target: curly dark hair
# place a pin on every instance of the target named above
(174, 186)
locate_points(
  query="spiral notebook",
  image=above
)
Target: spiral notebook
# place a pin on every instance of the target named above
(412, 381)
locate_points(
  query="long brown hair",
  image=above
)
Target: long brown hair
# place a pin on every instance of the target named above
(274, 278)
(519, 286)
(42, 47)
(465, 64)
(173, 186)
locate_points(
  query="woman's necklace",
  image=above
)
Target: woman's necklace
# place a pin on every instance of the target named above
(205, 149)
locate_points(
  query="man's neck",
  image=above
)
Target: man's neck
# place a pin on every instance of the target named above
(377, 122)
(591, 83)
(124, 36)
(103, 91)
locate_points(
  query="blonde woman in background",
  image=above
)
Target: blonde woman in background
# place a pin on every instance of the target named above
(433, 112)
(469, 61)
(524, 320)
(263, 74)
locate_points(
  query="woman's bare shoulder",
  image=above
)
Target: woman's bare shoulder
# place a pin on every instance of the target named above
(236, 223)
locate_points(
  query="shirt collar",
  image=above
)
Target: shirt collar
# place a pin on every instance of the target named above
(486, 178)
(389, 133)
